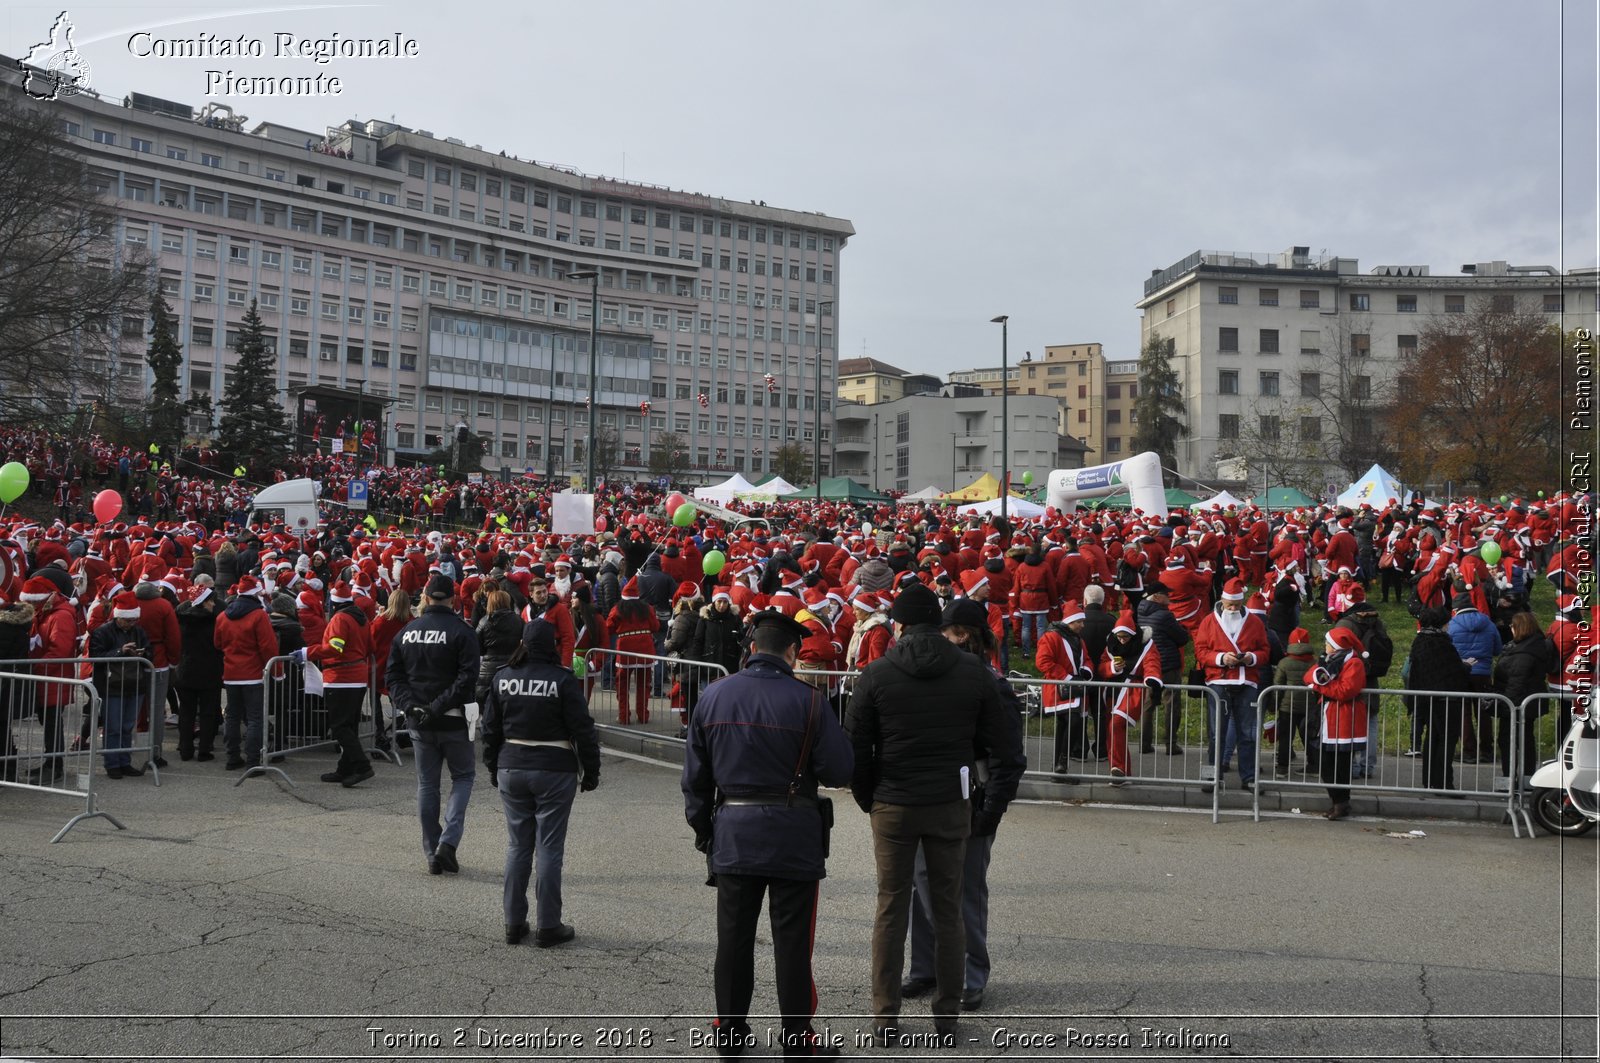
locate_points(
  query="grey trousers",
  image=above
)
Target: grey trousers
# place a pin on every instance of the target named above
(538, 805)
(898, 832)
(433, 750)
(974, 914)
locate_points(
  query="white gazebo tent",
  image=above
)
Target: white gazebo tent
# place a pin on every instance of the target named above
(1221, 499)
(727, 490)
(775, 486)
(1376, 488)
(927, 494)
(1015, 507)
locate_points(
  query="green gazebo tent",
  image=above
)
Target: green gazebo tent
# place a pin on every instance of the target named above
(1288, 498)
(844, 489)
(1176, 499)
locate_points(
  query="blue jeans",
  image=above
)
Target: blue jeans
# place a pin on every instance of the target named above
(538, 804)
(245, 701)
(1032, 629)
(121, 714)
(1236, 723)
(432, 749)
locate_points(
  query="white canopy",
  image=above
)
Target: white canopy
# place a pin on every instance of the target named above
(1015, 507)
(1376, 487)
(927, 494)
(724, 492)
(775, 486)
(1221, 498)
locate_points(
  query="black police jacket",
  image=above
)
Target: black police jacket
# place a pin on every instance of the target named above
(744, 742)
(433, 666)
(539, 701)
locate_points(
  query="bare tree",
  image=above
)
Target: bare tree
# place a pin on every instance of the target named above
(1281, 440)
(65, 283)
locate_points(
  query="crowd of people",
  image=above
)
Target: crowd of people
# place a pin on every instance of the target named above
(467, 612)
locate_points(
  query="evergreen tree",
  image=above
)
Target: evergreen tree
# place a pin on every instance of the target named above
(165, 358)
(1160, 403)
(253, 423)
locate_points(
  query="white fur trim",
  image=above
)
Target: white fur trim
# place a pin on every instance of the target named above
(125, 614)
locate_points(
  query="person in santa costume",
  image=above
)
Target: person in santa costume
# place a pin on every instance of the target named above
(1062, 656)
(1232, 646)
(634, 625)
(1136, 662)
(1338, 679)
(54, 637)
(870, 639)
(121, 648)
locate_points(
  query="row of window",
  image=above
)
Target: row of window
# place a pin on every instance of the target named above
(1270, 428)
(1360, 344)
(1310, 384)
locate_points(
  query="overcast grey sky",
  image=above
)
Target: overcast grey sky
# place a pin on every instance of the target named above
(1034, 159)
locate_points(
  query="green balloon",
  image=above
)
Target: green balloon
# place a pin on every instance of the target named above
(1541, 494)
(1490, 552)
(684, 515)
(1027, 478)
(1504, 499)
(13, 481)
(712, 563)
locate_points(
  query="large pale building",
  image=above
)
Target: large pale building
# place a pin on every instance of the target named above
(390, 263)
(869, 381)
(1288, 358)
(909, 443)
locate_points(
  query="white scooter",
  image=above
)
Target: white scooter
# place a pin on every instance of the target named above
(1566, 791)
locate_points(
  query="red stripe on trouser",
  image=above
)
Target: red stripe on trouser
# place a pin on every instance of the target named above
(811, 948)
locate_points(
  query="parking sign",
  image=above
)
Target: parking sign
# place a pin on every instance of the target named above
(356, 494)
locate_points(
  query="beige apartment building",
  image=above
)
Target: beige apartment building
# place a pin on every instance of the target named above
(1099, 395)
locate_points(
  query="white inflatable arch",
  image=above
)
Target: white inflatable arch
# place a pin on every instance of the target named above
(1139, 476)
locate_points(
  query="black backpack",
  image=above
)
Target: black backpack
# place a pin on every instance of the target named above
(1379, 648)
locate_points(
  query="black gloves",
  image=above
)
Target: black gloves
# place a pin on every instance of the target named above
(494, 778)
(1153, 684)
(1083, 675)
(702, 841)
(589, 782)
(984, 823)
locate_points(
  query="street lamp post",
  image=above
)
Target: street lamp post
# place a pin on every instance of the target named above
(1005, 420)
(593, 277)
(816, 426)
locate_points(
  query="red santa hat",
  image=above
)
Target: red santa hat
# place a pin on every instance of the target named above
(125, 606)
(563, 561)
(1071, 612)
(198, 594)
(1233, 590)
(972, 579)
(1343, 638)
(1569, 603)
(310, 601)
(37, 589)
(722, 596)
(630, 590)
(1125, 624)
(685, 589)
(1256, 604)
(341, 592)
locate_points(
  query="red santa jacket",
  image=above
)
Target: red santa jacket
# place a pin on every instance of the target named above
(345, 652)
(1129, 703)
(1212, 643)
(1035, 588)
(244, 635)
(559, 617)
(1344, 713)
(55, 635)
(160, 622)
(1062, 658)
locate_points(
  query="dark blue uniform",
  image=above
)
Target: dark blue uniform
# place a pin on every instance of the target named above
(745, 743)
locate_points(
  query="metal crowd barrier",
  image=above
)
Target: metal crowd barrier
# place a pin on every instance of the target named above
(82, 668)
(294, 721)
(1055, 739)
(64, 767)
(660, 714)
(1549, 730)
(380, 710)
(1405, 752)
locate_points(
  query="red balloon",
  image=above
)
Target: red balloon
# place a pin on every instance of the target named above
(675, 500)
(107, 504)
(600, 524)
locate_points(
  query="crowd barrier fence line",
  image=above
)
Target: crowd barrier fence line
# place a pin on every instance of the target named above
(1519, 795)
(1392, 760)
(294, 721)
(688, 677)
(75, 764)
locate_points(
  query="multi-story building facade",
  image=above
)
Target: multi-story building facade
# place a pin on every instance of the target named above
(434, 274)
(909, 443)
(987, 378)
(1288, 359)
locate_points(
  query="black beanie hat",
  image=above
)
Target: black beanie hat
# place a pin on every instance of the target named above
(916, 605)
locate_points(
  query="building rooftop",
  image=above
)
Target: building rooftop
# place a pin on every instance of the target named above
(865, 366)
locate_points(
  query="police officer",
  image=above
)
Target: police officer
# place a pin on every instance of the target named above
(759, 744)
(540, 747)
(433, 669)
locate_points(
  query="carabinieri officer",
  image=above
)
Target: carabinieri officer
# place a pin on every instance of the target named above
(759, 743)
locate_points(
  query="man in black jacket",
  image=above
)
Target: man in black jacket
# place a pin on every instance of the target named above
(1170, 638)
(914, 720)
(1096, 632)
(433, 669)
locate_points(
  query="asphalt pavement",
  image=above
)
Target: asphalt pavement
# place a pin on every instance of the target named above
(263, 922)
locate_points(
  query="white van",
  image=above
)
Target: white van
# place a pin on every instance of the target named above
(292, 503)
